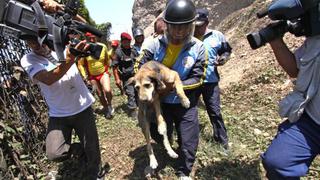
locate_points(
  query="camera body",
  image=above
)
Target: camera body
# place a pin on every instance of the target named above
(94, 49)
(21, 20)
(299, 17)
(16, 18)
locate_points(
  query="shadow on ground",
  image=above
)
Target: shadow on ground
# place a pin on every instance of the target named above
(141, 161)
(221, 170)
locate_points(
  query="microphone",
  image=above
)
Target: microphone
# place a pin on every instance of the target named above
(87, 28)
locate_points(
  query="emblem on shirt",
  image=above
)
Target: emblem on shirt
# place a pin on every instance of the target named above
(213, 43)
(188, 62)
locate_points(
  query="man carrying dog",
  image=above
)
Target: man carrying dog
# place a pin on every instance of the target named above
(219, 52)
(183, 53)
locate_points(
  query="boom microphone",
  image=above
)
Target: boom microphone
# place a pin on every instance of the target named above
(86, 28)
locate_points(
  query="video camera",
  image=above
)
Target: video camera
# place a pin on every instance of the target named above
(21, 20)
(299, 17)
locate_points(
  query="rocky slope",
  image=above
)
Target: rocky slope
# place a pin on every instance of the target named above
(232, 17)
(145, 11)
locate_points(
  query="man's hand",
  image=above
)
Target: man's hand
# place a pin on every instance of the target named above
(51, 6)
(81, 46)
(221, 60)
(118, 83)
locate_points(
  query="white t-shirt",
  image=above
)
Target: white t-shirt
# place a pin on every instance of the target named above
(309, 50)
(65, 97)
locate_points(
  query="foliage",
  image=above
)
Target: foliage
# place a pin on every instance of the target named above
(105, 29)
(84, 12)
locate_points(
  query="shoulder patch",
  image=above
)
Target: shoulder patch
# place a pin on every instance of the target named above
(188, 62)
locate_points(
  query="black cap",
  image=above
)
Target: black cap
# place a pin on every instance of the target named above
(203, 16)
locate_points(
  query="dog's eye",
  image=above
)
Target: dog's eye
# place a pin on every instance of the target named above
(137, 87)
(147, 86)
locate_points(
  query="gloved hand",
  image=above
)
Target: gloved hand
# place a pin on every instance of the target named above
(221, 60)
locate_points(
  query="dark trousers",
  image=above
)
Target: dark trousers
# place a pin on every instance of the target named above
(186, 124)
(130, 93)
(58, 140)
(292, 150)
(211, 97)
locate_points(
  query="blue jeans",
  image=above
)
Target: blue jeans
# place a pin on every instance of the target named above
(293, 149)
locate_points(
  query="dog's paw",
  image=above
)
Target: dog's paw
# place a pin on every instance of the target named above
(162, 128)
(153, 163)
(185, 102)
(172, 154)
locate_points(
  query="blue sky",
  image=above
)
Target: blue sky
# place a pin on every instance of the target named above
(118, 12)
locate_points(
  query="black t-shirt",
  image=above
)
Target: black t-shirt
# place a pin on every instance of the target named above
(125, 59)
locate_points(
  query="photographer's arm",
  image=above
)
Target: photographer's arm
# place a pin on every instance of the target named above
(50, 77)
(285, 57)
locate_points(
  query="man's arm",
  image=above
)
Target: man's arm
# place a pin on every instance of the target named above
(50, 77)
(197, 74)
(107, 59)
(82, 69)
(144, 57)
(114, 65)
(285, 57)
(224, 50)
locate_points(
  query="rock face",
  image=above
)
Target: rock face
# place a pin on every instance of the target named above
(145, 11)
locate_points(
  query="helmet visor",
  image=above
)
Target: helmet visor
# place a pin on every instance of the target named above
(179, 33)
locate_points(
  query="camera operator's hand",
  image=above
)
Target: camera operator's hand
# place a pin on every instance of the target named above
(82, 46)
(51, 6)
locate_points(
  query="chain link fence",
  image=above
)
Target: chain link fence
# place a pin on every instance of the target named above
(23, 116)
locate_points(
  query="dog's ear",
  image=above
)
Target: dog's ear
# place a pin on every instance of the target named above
(156, 77)
(131, 80)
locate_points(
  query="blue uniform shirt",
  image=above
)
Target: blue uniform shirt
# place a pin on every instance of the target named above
(212, 41)
(190, 63)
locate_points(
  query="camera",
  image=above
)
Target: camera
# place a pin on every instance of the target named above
(299, 17)
(19, 19)
(94, 49)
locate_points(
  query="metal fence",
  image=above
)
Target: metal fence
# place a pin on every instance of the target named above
(23, 115)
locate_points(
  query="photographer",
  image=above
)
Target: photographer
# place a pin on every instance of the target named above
(69, 102)
(297, 141)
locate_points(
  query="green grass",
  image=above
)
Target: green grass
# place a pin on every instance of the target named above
(251, 118)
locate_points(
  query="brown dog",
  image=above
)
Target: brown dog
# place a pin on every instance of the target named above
(152, 81)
